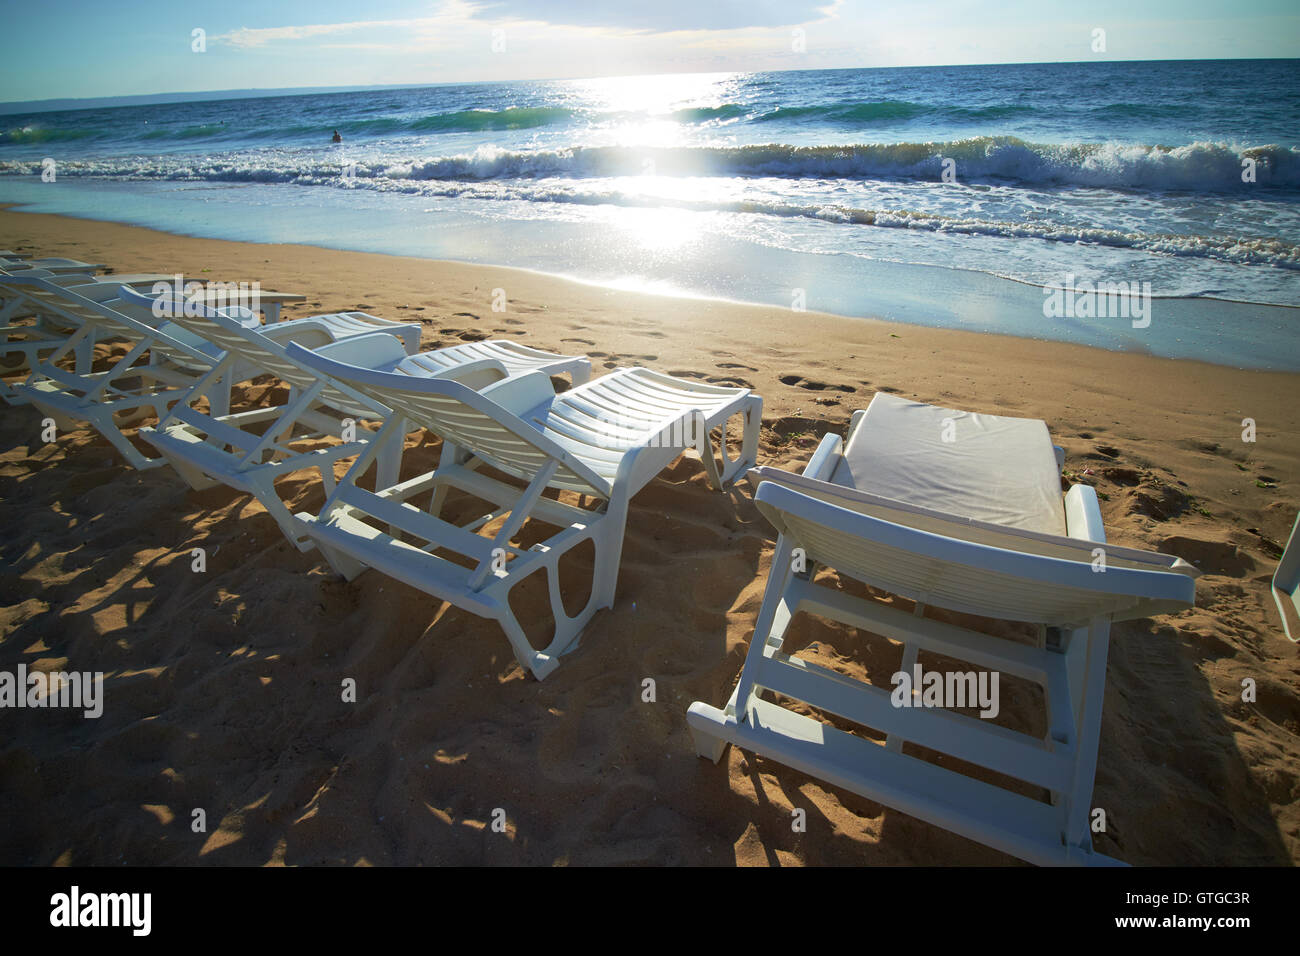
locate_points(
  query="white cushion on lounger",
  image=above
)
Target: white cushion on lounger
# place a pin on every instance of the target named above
(996, 469)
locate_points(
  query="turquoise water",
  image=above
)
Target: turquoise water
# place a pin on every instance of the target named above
(1181, 175)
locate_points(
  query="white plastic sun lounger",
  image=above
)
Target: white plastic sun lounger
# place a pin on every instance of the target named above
(961, 512)
(53, 264)
(207, 449)
(1286, 583)
(21, 344)
(605, 440)
(117, 397)
(7, 310)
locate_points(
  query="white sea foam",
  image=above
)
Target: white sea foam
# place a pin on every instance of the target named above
(613, 176)
(1200, 166)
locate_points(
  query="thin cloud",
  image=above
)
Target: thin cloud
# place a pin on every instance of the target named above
(663, 16)
(449, 12)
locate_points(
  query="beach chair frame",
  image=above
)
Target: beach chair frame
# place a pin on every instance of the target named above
(549, 443)
(1004, 573)
(1285, 584)
(49, 330)
(208, 449)
(156, 371)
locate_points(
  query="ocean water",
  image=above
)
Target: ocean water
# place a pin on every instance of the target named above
(910, 193)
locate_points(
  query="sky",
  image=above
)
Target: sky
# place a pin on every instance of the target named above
(81, 48)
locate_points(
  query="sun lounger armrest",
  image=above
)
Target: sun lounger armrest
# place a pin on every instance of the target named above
(1083, 514)
(824, 458)
(820, 465)
(521, 394)
(367, 350)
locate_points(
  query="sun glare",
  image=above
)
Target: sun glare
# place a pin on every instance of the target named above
(653, 95)
(646, 110)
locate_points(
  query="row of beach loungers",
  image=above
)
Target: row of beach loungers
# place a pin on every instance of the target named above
(948, 509)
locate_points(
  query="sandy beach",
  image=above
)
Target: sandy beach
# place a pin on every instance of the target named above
(223, 688)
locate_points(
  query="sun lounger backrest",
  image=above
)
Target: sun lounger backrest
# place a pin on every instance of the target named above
(70, 304)
(254, 348)
(460, 415)
(513, 357)
(966, 565)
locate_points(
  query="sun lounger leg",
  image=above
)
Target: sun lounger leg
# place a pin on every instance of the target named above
(84, 354)
(195, 478)
(747, 457)
(773, 618)
(263, 488)
(567, 629)
(219, 398)
(751, 418)
(1285, 580)
(389, 463)
(608, 540)
(342, 564)
(1096, 640)
(538, 663)
(707, 745)
(126, 449)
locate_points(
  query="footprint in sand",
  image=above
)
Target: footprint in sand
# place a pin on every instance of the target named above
(794, 426)
(731, 380)
(1156, 500)
(1211, 557)
(1277, 702)
(815, 386)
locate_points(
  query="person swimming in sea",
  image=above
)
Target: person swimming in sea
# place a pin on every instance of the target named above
(337, 137)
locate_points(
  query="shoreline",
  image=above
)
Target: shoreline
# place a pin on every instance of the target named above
(221, 689)
(1232, 333)
(17, 206)
(16, 209)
